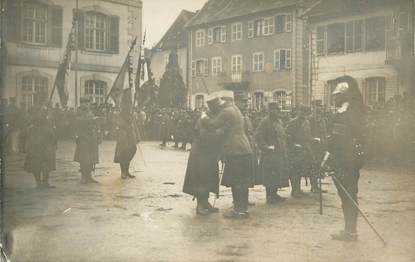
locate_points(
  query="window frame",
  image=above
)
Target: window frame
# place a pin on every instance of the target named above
(236, 31)
(257, 68)
(269, 24)
(95, 97)
(200, 37)
(287, 59)
(33, 22)
(377, 91)
(216, 65)
(37, 84)
(94, 30)
(235, 58)
(282, 101)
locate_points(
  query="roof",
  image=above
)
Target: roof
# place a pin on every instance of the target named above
(217, 10)
(325, 9)
(176, 36)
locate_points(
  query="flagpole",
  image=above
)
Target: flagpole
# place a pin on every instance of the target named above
(76, 55)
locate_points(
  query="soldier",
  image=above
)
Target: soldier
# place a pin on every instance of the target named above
(86, 152)
(299, 149)
(41, 149)
(202, 174)
(165, 128)
(237, 155)
(345, 153)
(125, 149)
(272, 142)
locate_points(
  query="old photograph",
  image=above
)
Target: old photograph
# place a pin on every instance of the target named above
(207, 130)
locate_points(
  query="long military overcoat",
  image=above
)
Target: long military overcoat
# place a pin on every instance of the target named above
(273, 166)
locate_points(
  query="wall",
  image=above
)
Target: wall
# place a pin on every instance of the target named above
(26, 57)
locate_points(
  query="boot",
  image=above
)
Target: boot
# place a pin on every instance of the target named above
(270, 195)
(45, 181)
(212, 209)
(201, 209)
(37, 180)
(345, 236)
(233, 214)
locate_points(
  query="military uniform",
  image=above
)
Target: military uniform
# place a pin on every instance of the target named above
(126, 148)
(41, 145)
(299, 151)
(237, 155)
(273, 167)
(87, 141)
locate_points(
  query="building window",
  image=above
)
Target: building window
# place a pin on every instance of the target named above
(217, 35)
(258, 101)
(236, 64)
(281, 98)
(321, 40)
(200, 38)
(199, 101)
(375, 33)
(251, 29)
(35, 20)
(216, 65)
(375, 91)
(236, 31)
(268, 26)
(354, 36)
(282, 59)
(335, 38)
(283, 23)
(96, 91)
(200, 67)
(34, 91)
(95, 31)
(258, 62)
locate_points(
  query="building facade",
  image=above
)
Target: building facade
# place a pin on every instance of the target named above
(371, 41)
(175, 39)
(254, 48)
(37, 34)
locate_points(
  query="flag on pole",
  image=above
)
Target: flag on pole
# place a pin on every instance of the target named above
(118, 85)
(63, 68)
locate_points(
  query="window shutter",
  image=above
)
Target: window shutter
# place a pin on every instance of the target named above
(288, 23)
(81, 30)
(193, 68)
(14, 8)
(250, 29)
(55, 26)
(113, 38)
(223, 34)
(277, 59)
(210, 36)
(288, 59)
(206, 67)
(279, 23)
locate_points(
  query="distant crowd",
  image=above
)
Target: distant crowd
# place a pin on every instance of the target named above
(389, 131)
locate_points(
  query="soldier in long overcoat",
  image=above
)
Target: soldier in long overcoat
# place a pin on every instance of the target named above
(41, 149)
(87, 142)
(237, 155)
(126, 147)
(272, 142)
(202, 173)
(299, 149)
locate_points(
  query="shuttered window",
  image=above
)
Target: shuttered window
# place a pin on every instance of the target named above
(34, 23)
(98, 32)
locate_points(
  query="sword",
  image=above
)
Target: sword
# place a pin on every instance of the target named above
(335, 179)
(220, 181)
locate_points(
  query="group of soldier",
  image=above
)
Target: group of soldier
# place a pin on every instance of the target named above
(41, 144)
(226, 151)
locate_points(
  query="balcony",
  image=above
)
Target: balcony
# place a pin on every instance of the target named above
(234, 79)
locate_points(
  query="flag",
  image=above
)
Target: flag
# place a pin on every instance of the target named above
(126, 103)
(63, 69)
(118, 85)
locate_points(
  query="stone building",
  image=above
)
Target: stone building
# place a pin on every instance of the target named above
(254, 48)
(372, 41)
(37, 33)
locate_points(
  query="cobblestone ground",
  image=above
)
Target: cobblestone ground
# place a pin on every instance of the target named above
(150, 219)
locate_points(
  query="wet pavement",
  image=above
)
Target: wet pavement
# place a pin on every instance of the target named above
(149, 219)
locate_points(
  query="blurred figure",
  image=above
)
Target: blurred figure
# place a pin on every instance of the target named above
(41, 149)
(272, 142)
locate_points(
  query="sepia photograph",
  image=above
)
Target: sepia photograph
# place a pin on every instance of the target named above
(207, 130)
